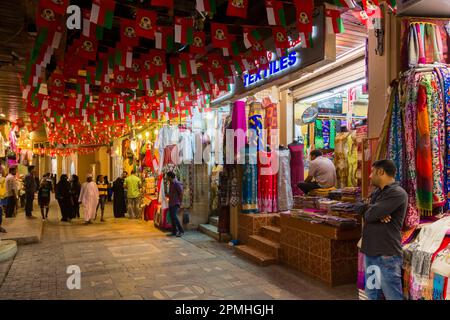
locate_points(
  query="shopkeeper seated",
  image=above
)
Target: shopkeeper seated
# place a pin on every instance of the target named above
(322, 173)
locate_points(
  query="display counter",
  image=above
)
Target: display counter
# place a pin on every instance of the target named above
(319, 250)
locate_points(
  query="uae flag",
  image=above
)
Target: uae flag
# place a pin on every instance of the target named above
(102, 12)
(58, 6)
(275, 13)
(128, 36)
(206, 6)
(237, 8)
(198, 45)
(146, 23)
(251, 37)
(124, 56)
(304, 11)
(90, 29)
(184, 30)
(162, 3)
(345, 3)
(187, 62)
(334, 21)
(219, 35)
(164, 38)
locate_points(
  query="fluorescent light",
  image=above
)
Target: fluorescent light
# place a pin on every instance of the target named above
(2, 115)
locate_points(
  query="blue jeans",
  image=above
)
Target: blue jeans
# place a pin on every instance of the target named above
(176, 225)
(384, 277)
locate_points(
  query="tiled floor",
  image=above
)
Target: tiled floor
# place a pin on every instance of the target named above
(129, 259)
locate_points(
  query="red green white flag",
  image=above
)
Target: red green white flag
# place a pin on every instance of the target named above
(164, 38)
(251, 36)
(102, 12)
(275, 13)
(334, 21)
(206, 6)
(184, 30)
(345, 3)
(237, 8)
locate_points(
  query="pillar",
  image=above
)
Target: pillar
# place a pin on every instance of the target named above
(286, 117)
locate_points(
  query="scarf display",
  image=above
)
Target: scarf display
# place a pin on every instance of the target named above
(318, 135)
(424, 44)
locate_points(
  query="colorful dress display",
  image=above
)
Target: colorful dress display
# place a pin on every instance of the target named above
(271, 123)
(239, 124)
(285, 200)
(267, 183)
(297, 167)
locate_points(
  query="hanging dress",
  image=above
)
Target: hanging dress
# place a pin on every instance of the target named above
(285, 199)
(250, 182)
(267, 183)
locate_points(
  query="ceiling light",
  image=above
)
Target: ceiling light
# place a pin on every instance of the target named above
(2, 115)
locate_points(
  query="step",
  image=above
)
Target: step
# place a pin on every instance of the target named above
(275, 221)
(22, 230)
(271, 233)
(8, 249)
(212, 232)
(255, 255)
(214, 220)
(265, 245)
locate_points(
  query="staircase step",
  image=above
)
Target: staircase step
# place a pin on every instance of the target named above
(255, 255)
(265, 245)
(212, 231)
(275, 221)
(8, 249)
(214, 220)
(271, 233)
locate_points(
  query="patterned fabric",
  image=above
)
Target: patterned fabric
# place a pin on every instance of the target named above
(395, 144)
(239, 123)
(326, 133)
(250, 183)
(297, 167)
(285, 199)
(271, 121)
(255, 131)
(424, 153)
(235, 198)
(332, 133)
(318, 135)
(409, 88)
(215, 186)
(186, 181)
(267, 183)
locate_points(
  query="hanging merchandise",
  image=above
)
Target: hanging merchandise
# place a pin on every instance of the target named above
(284, 190)
(267, 182)
(250, 182)
(296, 166)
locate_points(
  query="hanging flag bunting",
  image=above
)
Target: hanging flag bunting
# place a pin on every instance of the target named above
(157, 59)
(334, 21)
(392, 4)
(237, 8)
(370, 6)
(219, 35)
(46, 17)
(362, 16)
(102, 12)
(345, 3)
(275, 13)
(184, 30)
(58, 6)
(198, 45)
(163, 3)
(280, 37)
(128, 36)
(304, 11)
(164, 38)
(189, 62)
(87, 48)
(206, 6)
(146, 23)
(251, 37)
(91, 30)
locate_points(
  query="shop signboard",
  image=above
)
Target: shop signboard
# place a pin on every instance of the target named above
(331, 105)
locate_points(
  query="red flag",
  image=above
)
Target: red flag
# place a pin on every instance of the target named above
(362, 16)
(146, 23)
(46, 17)
(58, 6)
(87, 48)
(199, 43)
(304, 10)
(128, 36)
(157, 60)
(237, 8)
(219, 35)
(57, 84)
(162, 3)
(280, 37)
(370, 6)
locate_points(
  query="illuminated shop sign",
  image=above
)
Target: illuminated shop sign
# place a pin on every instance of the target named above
(276, 67)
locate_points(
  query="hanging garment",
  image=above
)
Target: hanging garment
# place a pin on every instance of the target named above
(185, 173)
(318, 135)
(297, 167)
(340, 159)
(2, 146)
(267, 183)
(235, 197)
(255, 131)
(215, 173)
(332, 133)
(250, 182)
(271, 124)
(239, 125)
(187, 147)
(326, 133)
(224, 199)
(285, 199)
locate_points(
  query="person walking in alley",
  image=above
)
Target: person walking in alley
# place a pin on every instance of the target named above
(103, 196)
(30, 191)
(64, 198)
(119, 205)
(75, 190)
(12, 192)
(133, 184)
(175, 197)
(44, 192)
(89, 199)
(3, 200)
(381, 240)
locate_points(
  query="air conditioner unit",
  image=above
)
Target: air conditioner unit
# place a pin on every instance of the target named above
(424, 8)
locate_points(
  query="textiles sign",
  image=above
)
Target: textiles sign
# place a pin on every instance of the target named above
(276, 67)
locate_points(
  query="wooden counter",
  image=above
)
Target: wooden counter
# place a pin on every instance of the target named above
(319, 250)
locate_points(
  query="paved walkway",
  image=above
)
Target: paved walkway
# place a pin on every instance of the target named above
(130, 259)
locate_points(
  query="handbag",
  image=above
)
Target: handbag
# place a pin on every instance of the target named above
(186, 217)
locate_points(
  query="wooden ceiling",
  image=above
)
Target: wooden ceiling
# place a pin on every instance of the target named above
(17, 39)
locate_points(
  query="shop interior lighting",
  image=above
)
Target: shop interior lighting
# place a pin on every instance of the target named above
(140, 136)
(2, 115)
(147, 134)
(332, 92)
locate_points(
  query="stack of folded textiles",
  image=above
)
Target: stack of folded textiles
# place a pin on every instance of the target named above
(335, 195)
(338, 222)
(310, 202)
(325, 204)
(351, 194)
(298, 202)
(344, 207)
